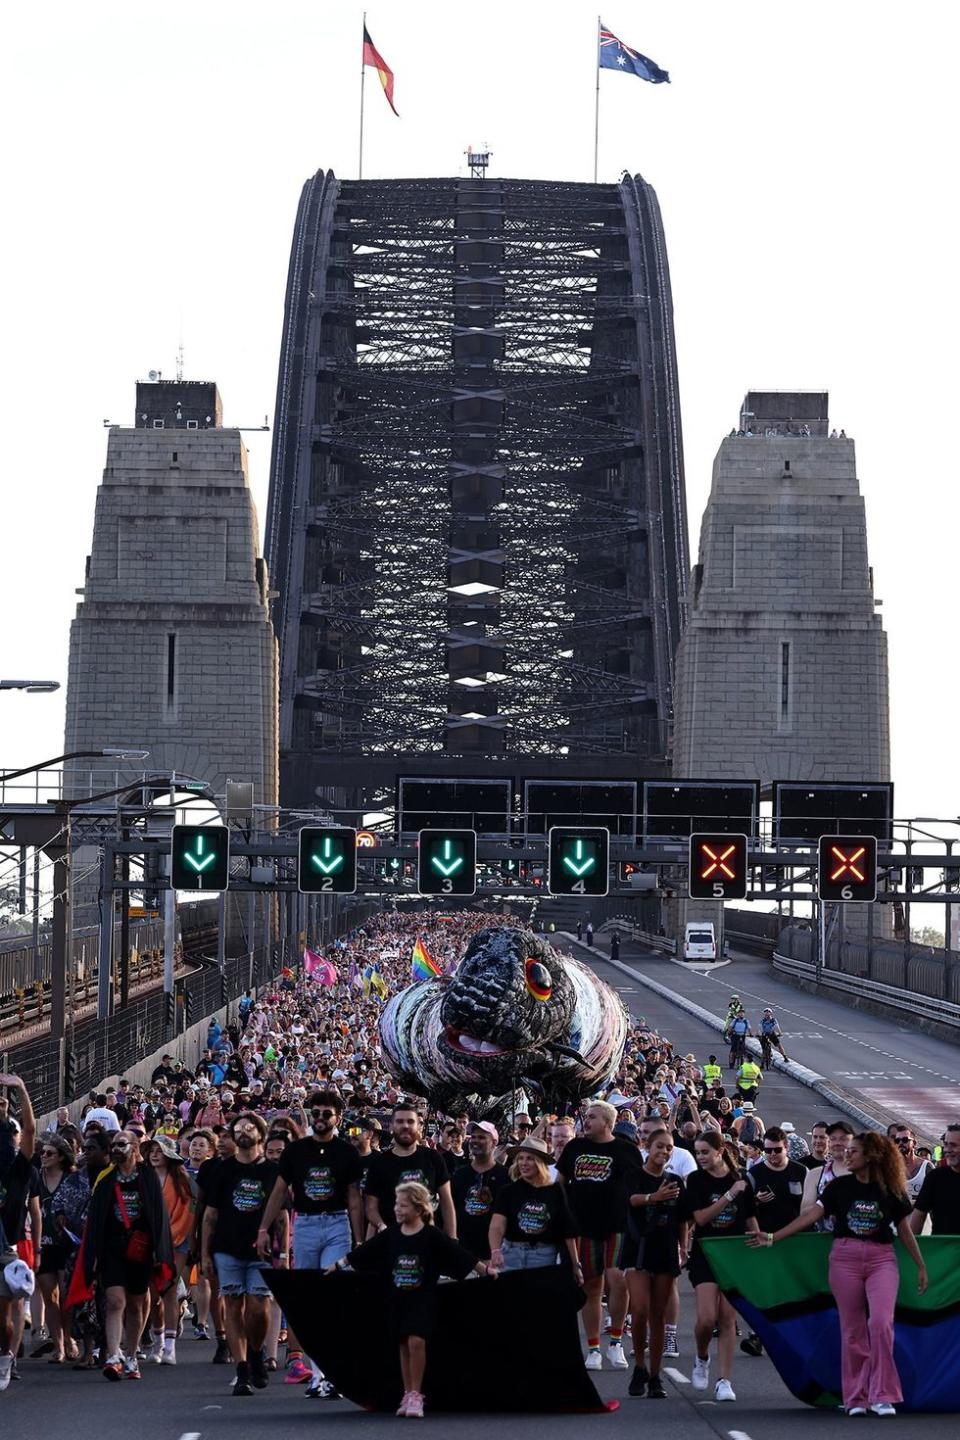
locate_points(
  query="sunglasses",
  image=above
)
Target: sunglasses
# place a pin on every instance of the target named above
(324, 1114)
(773, 1149)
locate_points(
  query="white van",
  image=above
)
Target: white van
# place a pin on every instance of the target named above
(700, 941)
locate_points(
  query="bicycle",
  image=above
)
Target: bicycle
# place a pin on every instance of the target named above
(766, 1053)
(738, 1051)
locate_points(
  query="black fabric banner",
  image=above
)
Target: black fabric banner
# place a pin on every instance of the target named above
(505, 1344)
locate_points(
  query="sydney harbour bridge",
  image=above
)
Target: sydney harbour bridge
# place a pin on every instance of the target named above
(476, 529)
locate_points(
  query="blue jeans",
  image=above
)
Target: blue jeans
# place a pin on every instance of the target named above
(321, 1240)
(519, 1255)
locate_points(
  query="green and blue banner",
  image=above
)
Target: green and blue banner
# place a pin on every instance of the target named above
(783, 1293)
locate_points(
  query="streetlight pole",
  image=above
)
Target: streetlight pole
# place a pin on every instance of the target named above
(32, 687)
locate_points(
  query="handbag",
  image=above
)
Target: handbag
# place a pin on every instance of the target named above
(139, 1248)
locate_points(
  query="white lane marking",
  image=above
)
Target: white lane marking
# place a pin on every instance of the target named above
(677, 1376)
(844, 1034)
(738, 1435)
(192, 1434)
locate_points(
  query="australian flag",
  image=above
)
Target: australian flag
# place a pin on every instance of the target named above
(614, 55)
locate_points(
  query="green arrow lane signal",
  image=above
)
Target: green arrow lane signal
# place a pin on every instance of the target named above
(326, 866)
(447, 862)
(579, 866)
(578, 860)
(197, 859)
(446, 866)
(327, 860)
(200, 857)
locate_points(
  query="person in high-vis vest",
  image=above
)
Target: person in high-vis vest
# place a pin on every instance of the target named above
(712, 1072)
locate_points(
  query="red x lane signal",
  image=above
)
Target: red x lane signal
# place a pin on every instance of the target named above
(847, 868)
(718, 867)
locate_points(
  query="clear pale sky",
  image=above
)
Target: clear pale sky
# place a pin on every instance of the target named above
(805, 162)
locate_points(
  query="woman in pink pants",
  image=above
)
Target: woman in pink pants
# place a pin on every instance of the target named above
(867, 1206)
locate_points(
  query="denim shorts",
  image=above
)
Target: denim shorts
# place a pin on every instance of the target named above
(319, 1241)
(240, 1277)
(523, 1255)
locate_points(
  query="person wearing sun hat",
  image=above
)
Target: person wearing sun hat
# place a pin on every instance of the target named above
(532, 1221)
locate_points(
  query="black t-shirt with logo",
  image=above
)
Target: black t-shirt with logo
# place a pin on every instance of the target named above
(413, 1264)
(319, 1173)
(126, 1189)
(599, 1175)
(787, 1187)
(473, 1199)
(703, 1190)
(862, 1210)
(388, 1170)
(239, 1194)
(536, 1214)
(939, 1198)
(16, 1187)
(662, 1219)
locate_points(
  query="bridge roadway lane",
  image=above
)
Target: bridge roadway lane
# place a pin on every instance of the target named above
(878, 1061)
(195, 1401)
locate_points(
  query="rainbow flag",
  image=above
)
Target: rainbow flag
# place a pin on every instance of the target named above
(422, 964)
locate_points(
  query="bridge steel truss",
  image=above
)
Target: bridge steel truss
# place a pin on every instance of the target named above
(476, 526)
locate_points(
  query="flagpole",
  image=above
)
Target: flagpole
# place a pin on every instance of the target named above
(596, 109)
(363, 76)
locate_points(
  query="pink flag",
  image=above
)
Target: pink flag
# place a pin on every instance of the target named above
(318, 968)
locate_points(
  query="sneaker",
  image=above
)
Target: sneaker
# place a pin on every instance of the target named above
(753, 1345)
(15, 1371)
(221, 1355)
(616, 1355)
(414, 1405)
(723, 1391)
(638, 1380)
(200, 1332)
(402, 1407)
(6, 1365)
(242, 1386)
(113, 1370)
(297, 1372)
(594, 1360)
(670, 1347)
(131, 1369)
(259, 1378)
(857, 1410)
(655, 1390)
(884, 1408)
(326, 1390)
(700, 1378)
(168, 1355)
(154, 1354)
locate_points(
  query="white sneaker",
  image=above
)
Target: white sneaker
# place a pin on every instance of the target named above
(155, 1353)
(670, 1347)
(723, 1391)
(616, 1356)
(594, 1360)
(882, 1409)
(6, 1366)
(857, 1410)
(169, 1353)
(700, 1378)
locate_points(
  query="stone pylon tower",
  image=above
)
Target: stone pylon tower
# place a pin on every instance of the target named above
(782, 668)
(172, 649)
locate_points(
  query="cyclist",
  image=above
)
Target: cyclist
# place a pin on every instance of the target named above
(739, 1030)
(734, 1008)
(770, 1036)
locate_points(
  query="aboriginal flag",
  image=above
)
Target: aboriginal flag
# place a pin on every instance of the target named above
(784, 1296)
(372, 56)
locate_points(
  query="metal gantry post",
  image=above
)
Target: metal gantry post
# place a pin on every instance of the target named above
(105, 944)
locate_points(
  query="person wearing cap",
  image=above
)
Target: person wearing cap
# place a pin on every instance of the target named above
(797, 1147)
(475, 1185)
(532, 1221)
(834, 1167)
(180, 1199)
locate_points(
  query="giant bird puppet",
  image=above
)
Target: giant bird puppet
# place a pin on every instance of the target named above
(515, 1013)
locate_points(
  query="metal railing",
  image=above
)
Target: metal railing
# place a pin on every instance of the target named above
(922, 1007)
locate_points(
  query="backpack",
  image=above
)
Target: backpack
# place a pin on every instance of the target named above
(749, 1131)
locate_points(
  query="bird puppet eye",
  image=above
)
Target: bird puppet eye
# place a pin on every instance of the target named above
(539, 983)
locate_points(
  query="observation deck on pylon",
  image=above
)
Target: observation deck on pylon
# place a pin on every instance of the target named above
(476, 525)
